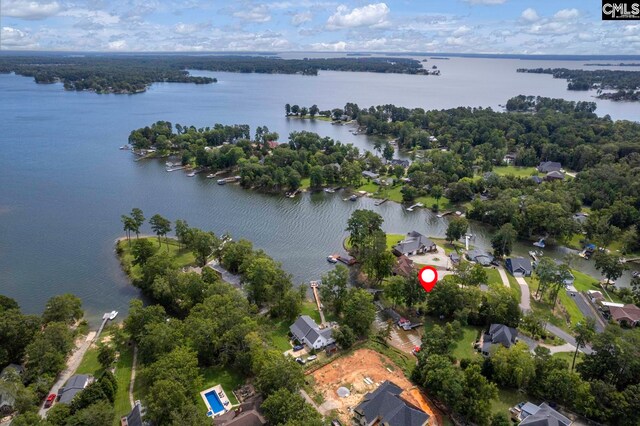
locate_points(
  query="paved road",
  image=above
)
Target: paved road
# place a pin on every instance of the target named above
(567, 337)
(525, 295)
(72, 365)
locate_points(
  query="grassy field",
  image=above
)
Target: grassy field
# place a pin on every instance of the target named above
(90, 365)
(507, 398)
(181, 256)
(515, 171)
(464, 344)
(405, 361)
(493, 276)
(515, 287)
(568, 357)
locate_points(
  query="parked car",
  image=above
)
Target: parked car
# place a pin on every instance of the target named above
(300, 361)
(49, 401)
(312, 357)
(297, 348)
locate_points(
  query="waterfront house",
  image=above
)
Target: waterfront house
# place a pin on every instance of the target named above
(396, 162)
(519, 266)
(414, 243)
(479, 256)
(509, 159)
(498, 334)
(248, 413)
(627, 315)
(555, 175)
(370, 175)
(549, 166)
(306, 331)
(404, 267)
(538, 415)
(73, 387)
(385, 407)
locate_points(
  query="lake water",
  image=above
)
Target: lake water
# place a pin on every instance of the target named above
(64, 183)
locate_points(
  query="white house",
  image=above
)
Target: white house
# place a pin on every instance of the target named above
(307, 331)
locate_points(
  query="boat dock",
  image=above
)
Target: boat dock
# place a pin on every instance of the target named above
(174, 169)
(381, 202)
(105, 318)
(410, 209)
(314, 287)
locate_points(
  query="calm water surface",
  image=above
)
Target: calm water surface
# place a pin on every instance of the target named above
(64, 183)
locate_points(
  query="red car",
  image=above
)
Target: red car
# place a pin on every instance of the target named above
(49, 402)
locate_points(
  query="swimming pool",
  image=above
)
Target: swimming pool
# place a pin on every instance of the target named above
(214, 402)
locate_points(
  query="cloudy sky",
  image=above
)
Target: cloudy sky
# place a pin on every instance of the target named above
(475, 26)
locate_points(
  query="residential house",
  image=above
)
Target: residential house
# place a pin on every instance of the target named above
(595, 296)
(385, 407)
(539, 415)
(11, 368)
(455, 258)
(135, 417)
(246, 414)
(581, 218)
(308, 332)
(499, 334)
(479, 256)
(370, 175)
(509, 159)
(519, 266)
(383, 181)
(555, 175)
(414, 243)
(396, 162)
(628, 315)
(272, 144)
(537, 179)
(8, 394)
(404, 267)
(549, 166)
(73, 386)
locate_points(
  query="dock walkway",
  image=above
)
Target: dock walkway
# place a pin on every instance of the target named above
(314, 288)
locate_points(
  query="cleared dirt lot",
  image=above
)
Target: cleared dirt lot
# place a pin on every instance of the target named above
(350, 372)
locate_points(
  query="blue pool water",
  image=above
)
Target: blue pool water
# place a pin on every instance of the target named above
(214, 402)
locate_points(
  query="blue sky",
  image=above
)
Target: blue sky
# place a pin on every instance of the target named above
(465, 26)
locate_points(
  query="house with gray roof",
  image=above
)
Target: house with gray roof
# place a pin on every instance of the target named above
(74, 386)
(135, 417)
(479, 256)
(385, 407)
(519, 266)
(543, 415)
(414, 243)
(549, 166)
(555, 175)
(370, 175)
(306, 331)
(499, 334)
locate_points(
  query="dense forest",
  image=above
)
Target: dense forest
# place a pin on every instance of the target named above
(134, 73)
(626, 83)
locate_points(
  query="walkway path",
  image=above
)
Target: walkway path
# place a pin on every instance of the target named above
(73, 362)
(133, 376)
(503, 276)
(312, 402)
(316, 296)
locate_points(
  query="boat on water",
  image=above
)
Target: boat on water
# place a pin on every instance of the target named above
(228, 180)
(353, 198)
(635, 274)
(125, 147)
(113, 315)
(211, 176)
(332, 259)
(222, 181)
(540, 243)
(192, 174)
(329, 190)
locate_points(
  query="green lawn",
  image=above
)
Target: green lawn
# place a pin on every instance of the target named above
(493, 276)
(89, 363)
(568, 357)
(308, 117)
(515, 171)
(393, 239)
(515, 287)
(230, 380)
(122, 404)
(277, 332)
(464, 343)
(507, 398)
(181, 256)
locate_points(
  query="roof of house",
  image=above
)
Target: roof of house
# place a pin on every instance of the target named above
(369, 174)
(555, 175)
(307, 327)
(134, 418)
(480, 256)
(15, 367)
(73, 386)
(549, 166)
(536, 179)
(413, 242)
(546, 416)
(503, 334)
(628, 312)
(519, 263)
(386, 405)
(247, 414)
(405, 266)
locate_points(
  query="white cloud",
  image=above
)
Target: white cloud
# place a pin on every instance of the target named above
(31, 10)
(339, 46)
(369, 15)
(13, 38)
(530, 15)
(186, 29)
(566, 14)
(300, 18)
(117, 45)
(461, 31)
(490, 2)
(256, 14)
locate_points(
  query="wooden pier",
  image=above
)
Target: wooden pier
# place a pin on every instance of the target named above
(314, 287)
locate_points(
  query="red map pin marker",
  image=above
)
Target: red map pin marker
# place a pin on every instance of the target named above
(428, 277)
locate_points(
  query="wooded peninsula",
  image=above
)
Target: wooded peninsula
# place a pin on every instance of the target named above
(128, 74)
(626, 83)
